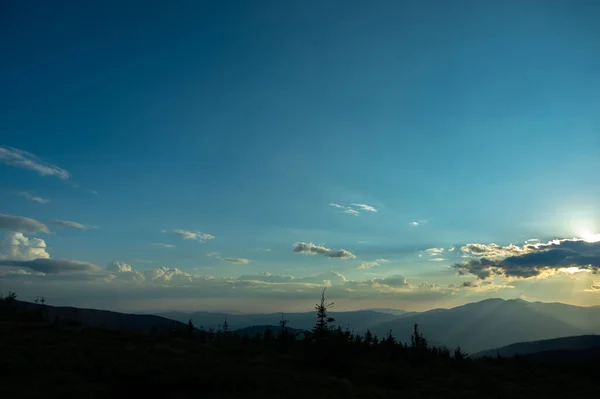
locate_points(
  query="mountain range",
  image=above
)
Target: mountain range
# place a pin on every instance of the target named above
(491, 323)
(475, 327)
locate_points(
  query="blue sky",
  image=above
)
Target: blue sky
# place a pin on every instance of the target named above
(246, 121)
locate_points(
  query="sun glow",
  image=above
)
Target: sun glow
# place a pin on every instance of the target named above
(589, 236)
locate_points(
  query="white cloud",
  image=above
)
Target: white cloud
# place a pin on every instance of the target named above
(364, 207)
(119, 267)
(193, 235)
(162, 245)
(312, 249)
(434, 251)
(367, 265)
(381, 260)
(16, 246)
(353, 209)
(69, 224)
(237, 261)
(32, 197)
(22, 224)
(414, 224)
(214, 254)
(22, 159)
(437, 259)
(451, 249)
(417, 223)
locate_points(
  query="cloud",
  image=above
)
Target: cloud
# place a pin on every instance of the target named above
(51, 266)
(16, 246)
(32, 197)
(22, 224)
(364, 207)
(353, 209)
(193, 235)
(437, 259)
(493, 250)
(381, 260)
(367, 265)
(396, 281)
(119, 267)
(469, 284)
(69, 224)
(237, 261)
(167, 275)
(214, 254)
(22, 159)
(434, 251)
(417, 223)
(312, 249)
(451, 249)
(267, 278)
(162, 245)
(531, 260)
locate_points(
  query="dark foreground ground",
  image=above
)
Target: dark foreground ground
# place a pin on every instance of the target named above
(42, 359)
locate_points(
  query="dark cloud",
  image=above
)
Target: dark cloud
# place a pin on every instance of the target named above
(312, 249)
(536, 259)
(51, 266)
(22, 224)
(469, 284)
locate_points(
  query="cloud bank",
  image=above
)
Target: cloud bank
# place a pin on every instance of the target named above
(22, 224)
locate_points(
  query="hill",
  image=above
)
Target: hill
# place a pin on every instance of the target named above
(101, 318)
(491, 323)
(579, 343)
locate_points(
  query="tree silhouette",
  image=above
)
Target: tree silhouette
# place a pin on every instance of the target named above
(43, 300)
(321, 328)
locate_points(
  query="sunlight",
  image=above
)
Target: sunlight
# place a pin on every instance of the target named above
(588, 236)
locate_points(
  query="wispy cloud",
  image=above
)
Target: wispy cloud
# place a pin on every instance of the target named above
(32, 197)
(23, 159)
(353, 209)
(417, 223)
(381, 260)
(22, 224)
(237, 261)
(437, 259)
(312, 249)
(213, 255)
(364, 207)
(70, 224)
(193, 235)
(162, 245)
(367, 265)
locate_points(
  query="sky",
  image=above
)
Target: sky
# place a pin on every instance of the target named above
(242, 156)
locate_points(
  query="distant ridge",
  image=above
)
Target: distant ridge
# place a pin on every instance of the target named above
(103, 318)
(577, 343)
